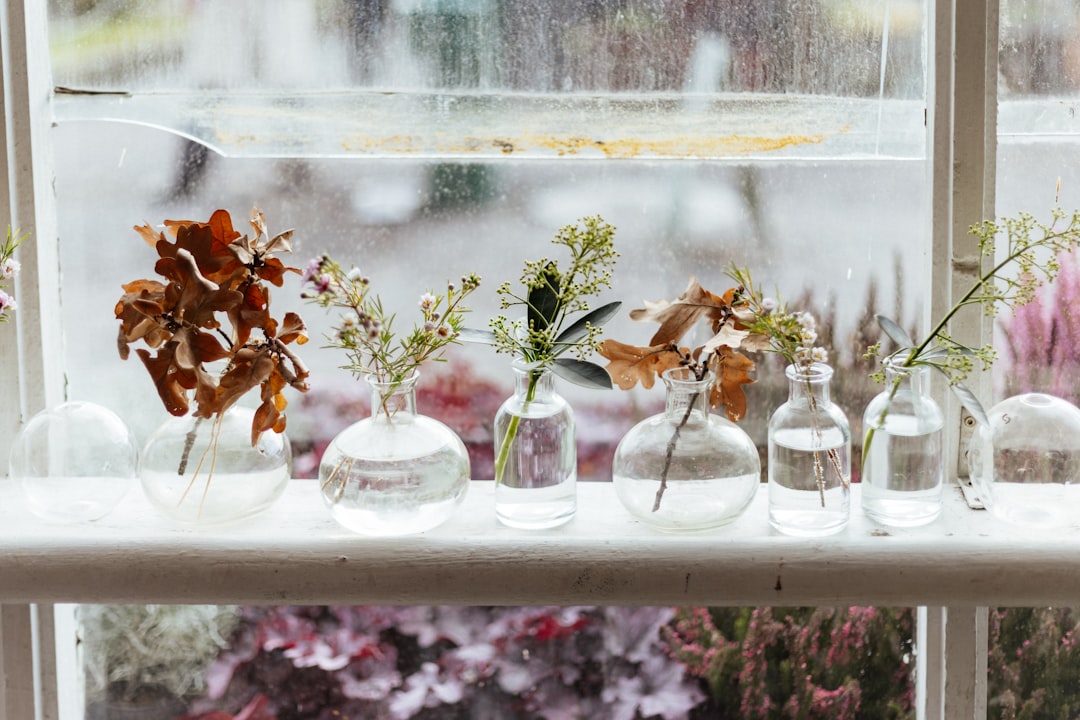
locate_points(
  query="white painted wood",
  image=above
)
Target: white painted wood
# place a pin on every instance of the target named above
(70, 681)
(32, 203)
(16, 663)
(930, 665)
(296, 553)
(965, 663)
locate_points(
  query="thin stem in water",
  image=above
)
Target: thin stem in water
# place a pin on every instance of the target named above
(512, 428)
(671, 450)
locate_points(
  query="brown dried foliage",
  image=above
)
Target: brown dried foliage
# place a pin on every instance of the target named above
(629, 364)
(212, 272)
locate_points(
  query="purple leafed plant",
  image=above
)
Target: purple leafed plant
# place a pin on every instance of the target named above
(324, 663)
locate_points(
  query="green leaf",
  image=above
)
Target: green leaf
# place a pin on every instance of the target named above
(476, 335)
(596, 318)
(894, 332)
(970, 403)
(544, 298)
(582, 372)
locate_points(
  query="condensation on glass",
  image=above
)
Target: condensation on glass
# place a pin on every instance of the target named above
(424, 139)
(484, 79)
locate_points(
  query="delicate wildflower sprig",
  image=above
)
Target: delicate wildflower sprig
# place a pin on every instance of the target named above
(365, 331)
(552, 296)
(1029, 260)
(790, 334)
(9, 268)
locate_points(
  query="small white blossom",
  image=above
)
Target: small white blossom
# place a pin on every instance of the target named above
(807, 320)
(9, 268)
(819, 355)
(768, 304)
(426, 301)
(808, 336)
(355, 275)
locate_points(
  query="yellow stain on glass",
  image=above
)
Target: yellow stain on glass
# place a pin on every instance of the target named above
(702, 146)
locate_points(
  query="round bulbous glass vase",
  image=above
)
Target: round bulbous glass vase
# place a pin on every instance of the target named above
(206, 471)
(686, 469)
(74, 462)
(1025, 464)
(809, 457)
(535, 454)
(395, 472)
(903, 466)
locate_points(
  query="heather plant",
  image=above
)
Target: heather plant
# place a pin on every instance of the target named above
(1042, 338)
(807, 663)
(1034, 664)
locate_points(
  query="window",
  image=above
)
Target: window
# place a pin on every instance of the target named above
(833, 127)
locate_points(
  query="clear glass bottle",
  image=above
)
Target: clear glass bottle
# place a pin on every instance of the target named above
(535, 453)
(809, 457)
(205, 470)
(686, 469)
(396, 472)
(903, 470)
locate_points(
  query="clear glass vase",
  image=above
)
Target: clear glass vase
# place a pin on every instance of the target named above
(396, 472)
(903, 469)
(535, 454)
(686, 469)
(206, 471)
(74, 462)
(1025, 464)
(809, 457)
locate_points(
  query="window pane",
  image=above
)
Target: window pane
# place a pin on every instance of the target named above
(308, 663)
(607, 79)
(1033, 663)
(1037, 170)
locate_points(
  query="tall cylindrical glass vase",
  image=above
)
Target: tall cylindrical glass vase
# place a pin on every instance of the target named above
(809, 457)
(535, 453)
(903, 468)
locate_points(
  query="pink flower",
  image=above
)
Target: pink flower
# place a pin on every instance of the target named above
(6, 302)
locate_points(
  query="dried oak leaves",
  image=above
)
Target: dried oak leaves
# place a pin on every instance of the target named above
(631, 364)
(211, 271)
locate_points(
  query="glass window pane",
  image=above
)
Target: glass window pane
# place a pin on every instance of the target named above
(483, 79)
(1036, 171)
(310, 662)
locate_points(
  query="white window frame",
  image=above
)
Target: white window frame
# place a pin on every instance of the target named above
(610, 562)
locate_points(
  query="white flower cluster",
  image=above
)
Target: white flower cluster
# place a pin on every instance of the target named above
(9, 268)
(807, 352)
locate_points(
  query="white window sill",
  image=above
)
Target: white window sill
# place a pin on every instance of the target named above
(295, 553)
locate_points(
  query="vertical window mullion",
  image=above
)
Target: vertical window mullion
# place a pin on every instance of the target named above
(31, 354)
(963, 141)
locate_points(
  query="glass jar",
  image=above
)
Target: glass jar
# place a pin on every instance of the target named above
(74, 462)
(1025, 464)
(903, 468)
(809, 457)
(535, 453)
(686, 469)
(206, 471)
(396, 472)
